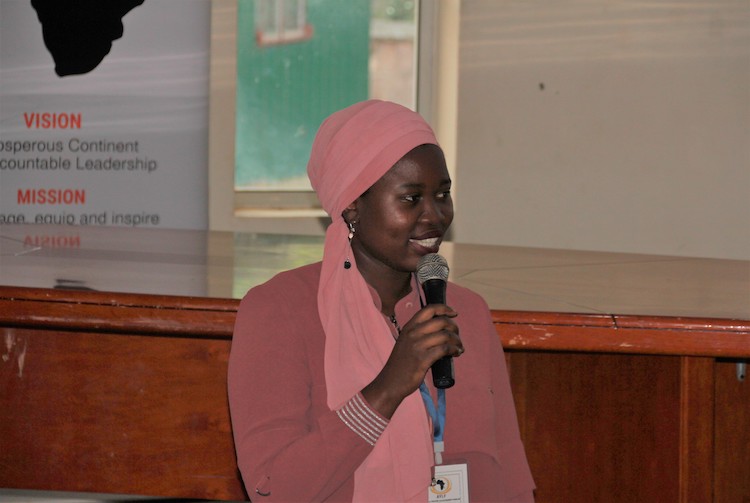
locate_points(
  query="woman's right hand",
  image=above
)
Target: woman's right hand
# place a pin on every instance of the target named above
(431, 334)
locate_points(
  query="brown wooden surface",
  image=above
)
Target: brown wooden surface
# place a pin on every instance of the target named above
(732, 438)
(696, 428)
(623, 334)
(116, 413)
(125, 393)
(116, 312)
(590, 428)
(519, 330)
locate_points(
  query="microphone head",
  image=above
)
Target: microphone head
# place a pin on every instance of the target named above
(432, 266)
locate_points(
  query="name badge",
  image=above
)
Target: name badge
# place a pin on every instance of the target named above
(451, 483)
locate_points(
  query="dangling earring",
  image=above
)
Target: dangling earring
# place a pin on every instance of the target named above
(347, 262)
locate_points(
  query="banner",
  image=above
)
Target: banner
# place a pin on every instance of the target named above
(104, 112)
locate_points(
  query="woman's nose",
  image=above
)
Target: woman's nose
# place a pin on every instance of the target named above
(434, 211)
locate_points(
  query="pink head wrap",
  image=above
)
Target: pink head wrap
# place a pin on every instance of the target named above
(352, 150)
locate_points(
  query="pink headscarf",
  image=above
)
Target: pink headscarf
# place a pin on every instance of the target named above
(353, 149)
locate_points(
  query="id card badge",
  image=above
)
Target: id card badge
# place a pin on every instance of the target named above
(451, 484)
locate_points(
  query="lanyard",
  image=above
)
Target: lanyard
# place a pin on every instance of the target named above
(438, 420)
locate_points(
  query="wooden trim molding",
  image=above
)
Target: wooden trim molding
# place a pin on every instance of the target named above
(519, 330)
(623, 334)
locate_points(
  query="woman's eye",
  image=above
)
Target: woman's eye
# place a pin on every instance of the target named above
(411, 198)
(445, 194)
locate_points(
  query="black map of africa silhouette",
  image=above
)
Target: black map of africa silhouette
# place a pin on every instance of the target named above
(79, 33)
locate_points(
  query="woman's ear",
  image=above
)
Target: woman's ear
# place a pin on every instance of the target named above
(350, 213)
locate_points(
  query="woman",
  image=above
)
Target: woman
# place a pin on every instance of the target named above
(327, 360)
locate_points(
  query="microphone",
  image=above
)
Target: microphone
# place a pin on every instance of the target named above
(432, 274)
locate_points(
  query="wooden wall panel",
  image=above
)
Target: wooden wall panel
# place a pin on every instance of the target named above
(125, 393)
(116, 413)
(696, 448)
(599, 427)
(732, 441)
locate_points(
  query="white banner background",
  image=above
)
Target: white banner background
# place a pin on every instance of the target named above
(150, 93)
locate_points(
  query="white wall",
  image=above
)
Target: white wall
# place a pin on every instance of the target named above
(605, 125)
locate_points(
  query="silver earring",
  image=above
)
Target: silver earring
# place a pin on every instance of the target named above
(347, 262)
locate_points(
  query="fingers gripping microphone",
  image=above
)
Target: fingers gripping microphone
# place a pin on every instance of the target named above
(432, 274)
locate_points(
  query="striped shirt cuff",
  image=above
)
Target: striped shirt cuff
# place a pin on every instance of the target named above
(361, 419)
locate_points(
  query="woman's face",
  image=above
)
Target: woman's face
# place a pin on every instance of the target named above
(405, 214)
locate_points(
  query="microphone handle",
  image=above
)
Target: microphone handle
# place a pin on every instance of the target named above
(434, 291)
(442, 373)
(442, 370)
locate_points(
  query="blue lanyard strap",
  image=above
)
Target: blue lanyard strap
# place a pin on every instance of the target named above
(438, 419)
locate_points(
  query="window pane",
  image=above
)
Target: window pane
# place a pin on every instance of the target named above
(264, 16)
(351, 50)
(291, 20)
